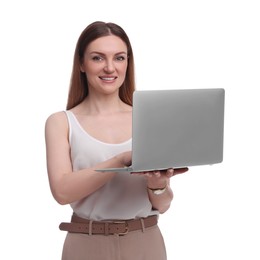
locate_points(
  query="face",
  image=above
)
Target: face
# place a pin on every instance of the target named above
(105, 64)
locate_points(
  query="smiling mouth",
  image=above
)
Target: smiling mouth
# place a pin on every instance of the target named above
(108, 78)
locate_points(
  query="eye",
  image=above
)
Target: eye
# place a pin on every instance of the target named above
(97, 58)
(120, 58)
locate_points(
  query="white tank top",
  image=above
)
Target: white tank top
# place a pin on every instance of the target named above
(124, 197)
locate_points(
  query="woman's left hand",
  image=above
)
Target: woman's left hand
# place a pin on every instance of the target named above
(159, 179)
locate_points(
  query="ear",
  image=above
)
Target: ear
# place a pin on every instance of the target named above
(82, 69)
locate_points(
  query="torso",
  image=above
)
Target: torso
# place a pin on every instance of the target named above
(124, 196)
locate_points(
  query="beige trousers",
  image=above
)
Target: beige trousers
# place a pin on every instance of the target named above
(136, 245)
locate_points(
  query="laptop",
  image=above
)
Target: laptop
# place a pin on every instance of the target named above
(175, 129)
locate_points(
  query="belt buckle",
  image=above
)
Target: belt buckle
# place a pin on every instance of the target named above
(126, 228)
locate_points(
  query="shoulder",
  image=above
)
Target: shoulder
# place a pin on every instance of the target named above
(127, 108)
(56, 117)
(56, 120)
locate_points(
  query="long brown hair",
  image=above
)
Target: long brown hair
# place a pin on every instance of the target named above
(78, 85)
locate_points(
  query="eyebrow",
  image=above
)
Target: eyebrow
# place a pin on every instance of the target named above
(100, 53)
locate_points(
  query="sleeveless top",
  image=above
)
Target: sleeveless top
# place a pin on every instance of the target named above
(123, 197)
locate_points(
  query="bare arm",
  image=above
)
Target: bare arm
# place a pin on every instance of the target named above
(162, 201)
(161, 180)
(68, 186)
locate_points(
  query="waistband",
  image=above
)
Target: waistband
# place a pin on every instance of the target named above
(81, 225)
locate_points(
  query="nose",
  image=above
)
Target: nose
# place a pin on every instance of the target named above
(109, 66)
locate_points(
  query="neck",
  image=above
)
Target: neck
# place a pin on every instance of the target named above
(103, 104)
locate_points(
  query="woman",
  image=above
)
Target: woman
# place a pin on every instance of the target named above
(114, 214)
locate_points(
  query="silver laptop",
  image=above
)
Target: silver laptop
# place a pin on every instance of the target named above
(176, 128)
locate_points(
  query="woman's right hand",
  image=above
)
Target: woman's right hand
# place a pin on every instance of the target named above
(125, 159)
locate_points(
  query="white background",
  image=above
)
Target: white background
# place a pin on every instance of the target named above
(177, 44)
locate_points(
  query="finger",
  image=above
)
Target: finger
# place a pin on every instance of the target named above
(180, 170)
(148, 174)
(170, 172)
(157, 173)
(137, 173)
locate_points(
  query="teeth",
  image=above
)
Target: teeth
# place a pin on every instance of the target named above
(108, 79)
